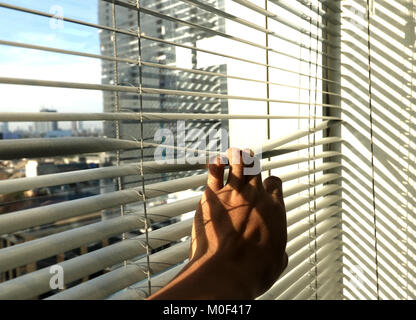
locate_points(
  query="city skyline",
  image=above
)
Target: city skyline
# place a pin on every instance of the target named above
(26, 63)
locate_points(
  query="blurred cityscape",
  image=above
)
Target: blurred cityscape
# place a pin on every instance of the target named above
(159, 53)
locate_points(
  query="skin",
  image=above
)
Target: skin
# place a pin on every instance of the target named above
(239, 237)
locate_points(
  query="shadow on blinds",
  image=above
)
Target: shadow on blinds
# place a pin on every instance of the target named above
(379, 157)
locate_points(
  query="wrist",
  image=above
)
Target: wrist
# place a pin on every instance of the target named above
(207, 279)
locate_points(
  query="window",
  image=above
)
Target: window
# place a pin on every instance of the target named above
(81, 188)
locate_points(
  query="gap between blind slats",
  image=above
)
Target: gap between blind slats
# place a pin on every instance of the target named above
(19, 220)
(37, 282)
(193, 25)
(228, 36)
(275, 17)
(223, 14)
(196, 26)
(25, 148)
(155, 65)
(48, 147)
(249, 24)
(123, 277)
(305, 280)
(308, 5)
(126, 251)
(168, 275)
(84, 265)
(44, 247)
(172, 43)
(287, 178)
(332, 292)
(135, 35)
(61, 242)
(155, 286)
(47, 180)
(288, 280)
(140, 292)
(327, 280)
(326, 232)
(116, 280)
(56, 243)
(297, 254)
(143, 90)
(111, 116)
(305, 16)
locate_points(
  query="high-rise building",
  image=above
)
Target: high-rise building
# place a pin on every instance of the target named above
(5, 128)
(165, 54)
(42, 128)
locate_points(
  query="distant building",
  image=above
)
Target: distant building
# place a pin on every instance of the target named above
(5, 127)
(160, 78)
(42, 128)
(9, 135)
(58, 133)
(74, 127)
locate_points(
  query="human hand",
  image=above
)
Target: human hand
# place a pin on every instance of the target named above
(238, 237)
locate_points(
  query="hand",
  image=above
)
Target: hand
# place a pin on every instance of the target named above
(238, 237)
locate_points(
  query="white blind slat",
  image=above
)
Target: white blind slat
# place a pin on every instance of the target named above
(136, 61)
(109, 283)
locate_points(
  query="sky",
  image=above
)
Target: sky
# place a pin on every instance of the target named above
(26, 63)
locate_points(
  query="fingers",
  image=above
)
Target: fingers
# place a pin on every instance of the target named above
(236, 174)
(273, 185)
(215, 175)
(252, 169)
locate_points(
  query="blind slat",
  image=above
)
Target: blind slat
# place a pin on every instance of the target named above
(277, 18)
(321, 215)
(20, 184)
(37, 282)
(143, 36)
(325, 202)
(109, 283)
(321, 180)
(140, 292)
(289, 279)
(172, 43)
(61, 242)
(155, 65)
(228, 36)
(136, 116)
(326, 232)
(233, 38)
(23, 219)
(306, 17)
(249, 24)
(305, 280)
(165, 264)
(144, 90)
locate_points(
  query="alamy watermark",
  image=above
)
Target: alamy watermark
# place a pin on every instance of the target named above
(198, 146)
(357, 277)
(57, 21)
(57, 279)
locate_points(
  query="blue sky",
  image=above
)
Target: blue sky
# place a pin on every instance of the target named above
(24, 63)
(15, 25)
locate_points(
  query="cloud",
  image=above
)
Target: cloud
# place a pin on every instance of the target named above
(21, 98)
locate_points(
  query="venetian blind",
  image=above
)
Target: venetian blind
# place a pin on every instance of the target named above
(259, 74)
